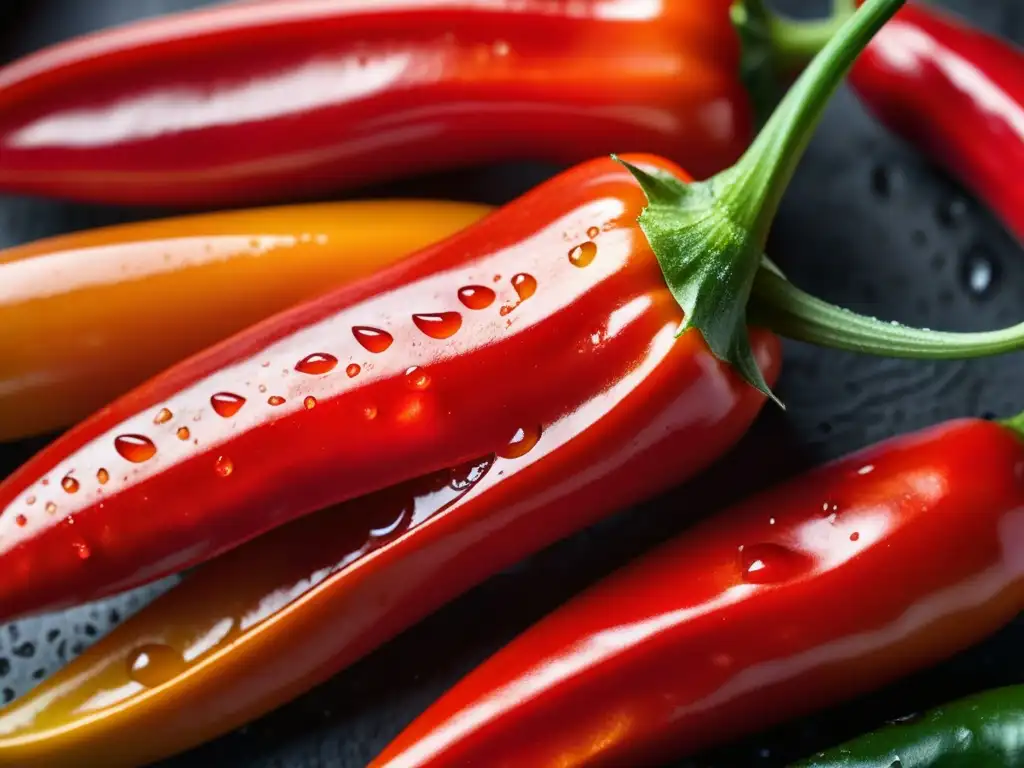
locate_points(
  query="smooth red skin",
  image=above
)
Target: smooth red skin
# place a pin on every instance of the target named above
(252, 101)
(957, 94)
(677, 651)
(553, 361)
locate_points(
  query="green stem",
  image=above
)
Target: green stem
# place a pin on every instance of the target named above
(798, 42)
(765, 170)
(1015, 423)
(780, 306)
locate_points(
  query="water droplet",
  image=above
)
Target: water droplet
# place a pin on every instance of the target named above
(224, 466)
(275, 400)
(952, 213)
(593, 232)
(45, 481)
(919, 238)
(102, 476)
(317, 364)
(21, 520)
(30, 500)
(501, 48)
(438, 325)
(154, 665)
(51, 508)
(496, 278)
(476, 296)
(854, 536)
(771, 564)
(525, 285)
(521, 443)
(353, 370)
(370, 412)
(884, 181)
(265, 364)
(227, 404)
(979, 272)
(135, 448)
(163, 416)
(938, 262)
(372, 339)
(184, 434)
(82, 550)
(309, 402)
(417, 378)
(70, 484)
(583, 255)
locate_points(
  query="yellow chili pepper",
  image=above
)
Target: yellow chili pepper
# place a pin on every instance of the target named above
(88, 316)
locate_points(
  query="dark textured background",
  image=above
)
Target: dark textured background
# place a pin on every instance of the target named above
(867, 223)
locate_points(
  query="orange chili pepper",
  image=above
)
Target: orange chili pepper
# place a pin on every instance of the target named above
(87, 316)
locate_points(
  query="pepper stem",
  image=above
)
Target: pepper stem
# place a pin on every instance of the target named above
(1015, 424)
(776, 48)
(708, 237)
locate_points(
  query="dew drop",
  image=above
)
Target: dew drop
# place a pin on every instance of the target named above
(30, 500)
(438, 325)
(883, 181)
(70, 484)
(952, 213)
(372, 339)
(353, 370)
(370, 412)
(854, 536)
(102, 476)
(154, 665)
(82, 550)
(227, 404)
(183, 433)
(583, 255)
(262, 388)
(593, 232)
(21, 520)
(476, 296)
(275, 400)
(771, 564)
(525, 285)
(417, 378)
(224, 466)
(521, 443)
(163, 416)
(309, 402)
(979, 272)
(135, 448)
(51, 508)
(317, 364)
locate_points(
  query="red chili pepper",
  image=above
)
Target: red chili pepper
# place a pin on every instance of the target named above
(958, 94)
(250, 101)
(826, 587)
(498, 340)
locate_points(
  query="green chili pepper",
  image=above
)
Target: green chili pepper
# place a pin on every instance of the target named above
(981, 731)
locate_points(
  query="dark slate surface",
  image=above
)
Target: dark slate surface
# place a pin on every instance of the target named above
(867, 223)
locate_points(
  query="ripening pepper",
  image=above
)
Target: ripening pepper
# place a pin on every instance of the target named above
(86, 315)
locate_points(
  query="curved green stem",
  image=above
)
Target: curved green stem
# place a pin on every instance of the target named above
(765, 170)
(1015, 423)
(783, 308)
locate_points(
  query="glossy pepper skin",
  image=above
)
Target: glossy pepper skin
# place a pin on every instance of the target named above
(82, 311)
(981, 731)
(312, 606)
(957, 94)
(252, 101)
(825, 587)
(382, 380)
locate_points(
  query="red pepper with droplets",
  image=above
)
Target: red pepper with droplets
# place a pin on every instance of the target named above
(511, 337)
(254, 101)
(956, 93)
(826, 587)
